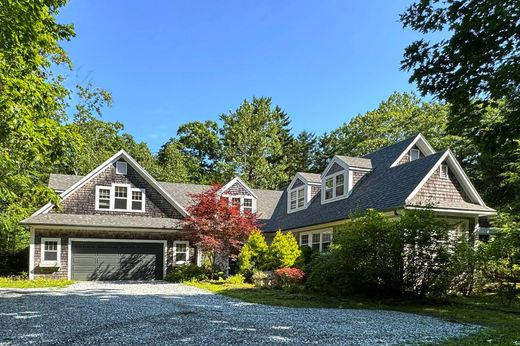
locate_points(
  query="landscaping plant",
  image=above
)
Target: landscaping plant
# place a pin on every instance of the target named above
(283, 251)
(286, 277)
(253, 254)
(187, 272)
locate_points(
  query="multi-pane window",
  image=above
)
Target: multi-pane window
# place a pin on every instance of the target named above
(335, 186)
(326, 240)
(137, 200)
(301, 197)
(293, 199)
(304, 240)
(181, 252)
(414, 154)
(235, 201)
(120, 197)
(317, 240)
(297, 198)
(50, 251)
(104, 198)
(444, 171)
(248, 205)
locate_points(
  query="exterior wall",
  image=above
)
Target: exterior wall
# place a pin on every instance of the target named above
(298, 183)
(64, 235)
(439, 189)
(406, 158)
(356, 176)
(83, 200)
(236, 189)
(334, 169)
(315, 189)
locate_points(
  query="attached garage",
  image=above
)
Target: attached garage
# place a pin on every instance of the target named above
(117, 260)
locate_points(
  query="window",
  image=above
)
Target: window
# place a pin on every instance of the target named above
(121, 167)
(248, 205)
(137, 200)
(103, 198)
(414, 154)
(317, 240)
(235, 202)
(180, 252)
(335, 186)
(297, 198)
(120, 197)
(50, 251)
(444, 172)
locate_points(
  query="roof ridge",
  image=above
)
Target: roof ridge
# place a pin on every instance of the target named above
(390, 145)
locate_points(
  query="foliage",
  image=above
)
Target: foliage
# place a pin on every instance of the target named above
(253, 254)
(187, 272)
(261, 278)
(289, 277)
(236, 279)
(378, 255)
(283, 251)
(17, 282)
(476, 69)
(302, 153)
(216, 226)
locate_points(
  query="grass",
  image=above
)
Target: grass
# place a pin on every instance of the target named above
(502, 323)
(6, 282)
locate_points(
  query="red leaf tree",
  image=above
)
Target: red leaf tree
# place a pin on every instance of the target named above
(217, 227)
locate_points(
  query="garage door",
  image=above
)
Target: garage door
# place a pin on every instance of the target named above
(116, 261)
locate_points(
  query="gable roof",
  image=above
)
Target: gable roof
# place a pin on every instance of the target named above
(119, 155)
(311, 177)
(239, 181)
(359, 162)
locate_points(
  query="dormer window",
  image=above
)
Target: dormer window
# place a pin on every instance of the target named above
(415, 154)
(120, 197)
(335, 186)
(297, 198)
(444, 172)
(243, 203)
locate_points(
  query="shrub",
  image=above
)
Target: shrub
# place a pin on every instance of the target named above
(237, 279)
(285, 277)
(187, 272)
(283, 251)
(253, 254)
(262, 278)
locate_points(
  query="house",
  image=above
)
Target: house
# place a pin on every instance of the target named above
(118, 222)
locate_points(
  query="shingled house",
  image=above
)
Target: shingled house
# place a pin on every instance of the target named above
(118, 222)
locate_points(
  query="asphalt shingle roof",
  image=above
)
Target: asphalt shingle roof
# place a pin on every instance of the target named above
(356, 161)
(311, 177)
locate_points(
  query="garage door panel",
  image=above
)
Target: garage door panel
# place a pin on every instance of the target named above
(116, 261)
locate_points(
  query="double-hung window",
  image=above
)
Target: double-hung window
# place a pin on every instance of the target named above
(181, 252)
(317, 240)
(297, 198)
(243, 203)
(248, 205)
(50, 251)
(120, 197)
(335, 186)
(103, 198)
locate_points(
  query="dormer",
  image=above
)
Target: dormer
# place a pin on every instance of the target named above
(301, 190)
(341, 175)
(417, 149)
(239, 194)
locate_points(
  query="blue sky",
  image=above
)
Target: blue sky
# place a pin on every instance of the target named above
(170, 62)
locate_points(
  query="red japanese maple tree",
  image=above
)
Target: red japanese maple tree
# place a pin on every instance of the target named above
(217, 227)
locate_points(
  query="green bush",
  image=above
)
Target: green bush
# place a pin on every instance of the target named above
(253, 254)
(283, 251)
(261, 278)
(237, 279)
(187, 272)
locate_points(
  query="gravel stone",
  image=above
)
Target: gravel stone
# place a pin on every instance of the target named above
(160, 313)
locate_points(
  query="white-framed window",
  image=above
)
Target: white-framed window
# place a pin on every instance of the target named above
(415, 154)
(334, 186)
(50, 251)
(444, 171)
(120, 197)
(121, 167)
(244, 203)
(318, 240)
(181, 251)
(297, 198)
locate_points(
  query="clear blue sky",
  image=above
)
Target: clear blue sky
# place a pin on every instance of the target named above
(170, 62)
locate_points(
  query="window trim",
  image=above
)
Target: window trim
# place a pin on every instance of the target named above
(321, 232)
(346, 174)
(414, 150)
(43, 262)
(242, 197)
(129, 199)
(441, 174)
(296, 190)
(187, 260)
(121, 168)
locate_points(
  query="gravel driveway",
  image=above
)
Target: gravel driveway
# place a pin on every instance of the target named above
(93, 313)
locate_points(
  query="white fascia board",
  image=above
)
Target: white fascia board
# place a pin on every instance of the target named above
(456, 211)
(233, 181)
(421, 142)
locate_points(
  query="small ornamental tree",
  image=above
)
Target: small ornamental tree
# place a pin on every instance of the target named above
(216, 227)
(253, 254)
(283, 251)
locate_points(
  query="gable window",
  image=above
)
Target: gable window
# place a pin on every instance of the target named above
(248, 205)
(415, 154)
(243, 203)
(121, 167)
(317, 240)
(444, 172)
(50, 251)
(120, 197)
(181, 252)
(335, 186)
(297, 198)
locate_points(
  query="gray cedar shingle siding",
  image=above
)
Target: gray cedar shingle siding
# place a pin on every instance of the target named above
(315, 189)
(83, 200)
(334, 169)
(237, 189)
(406, 157)
(298, 183)
(356, 176)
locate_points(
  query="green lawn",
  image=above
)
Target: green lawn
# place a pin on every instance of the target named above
(36, 283)
(503, 323)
